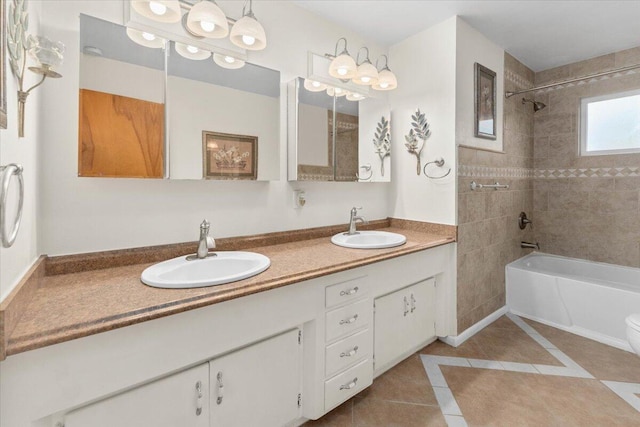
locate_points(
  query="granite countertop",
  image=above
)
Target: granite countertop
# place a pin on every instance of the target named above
(79, 304)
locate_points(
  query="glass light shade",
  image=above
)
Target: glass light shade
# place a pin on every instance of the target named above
(46, 52)
(206, 19)
(386, 80)
(355, 97)
(145, 39)
(336, 91)
(248, 33)
(191, 52)
(158, 10)
(226, 61)
(343, 67)
(314, 86)
(366, 75)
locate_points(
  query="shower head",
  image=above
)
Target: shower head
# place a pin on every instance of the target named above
(537, 105)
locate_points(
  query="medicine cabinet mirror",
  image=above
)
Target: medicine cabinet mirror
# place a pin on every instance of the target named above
(212, 122)
(331, 138)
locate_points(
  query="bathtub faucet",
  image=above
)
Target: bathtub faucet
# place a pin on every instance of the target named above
(527, 245)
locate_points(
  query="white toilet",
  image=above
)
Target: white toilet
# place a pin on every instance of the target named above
(633, 332)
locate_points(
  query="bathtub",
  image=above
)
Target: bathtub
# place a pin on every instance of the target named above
(587, 298)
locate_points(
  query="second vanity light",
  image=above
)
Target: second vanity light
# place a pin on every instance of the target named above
(345, 68)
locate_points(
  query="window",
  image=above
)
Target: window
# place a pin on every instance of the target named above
(610, 124)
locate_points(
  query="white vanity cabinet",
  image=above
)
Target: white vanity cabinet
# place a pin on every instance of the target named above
(181, 399)
(404, 320)
(259, 385)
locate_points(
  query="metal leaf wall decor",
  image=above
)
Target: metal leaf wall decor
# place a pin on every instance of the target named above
(382, 141)
(17, 36)
(419, 130)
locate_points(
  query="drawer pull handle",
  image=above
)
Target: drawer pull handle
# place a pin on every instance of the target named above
(198, 398)
(220, 388)
(349, 320)
(350, 353)
(413, 303)
(406, 306)
(348, 292)
(350, 385)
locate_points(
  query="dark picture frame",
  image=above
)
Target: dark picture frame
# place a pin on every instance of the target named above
(485, 99)
(3, 68)
(229, 156)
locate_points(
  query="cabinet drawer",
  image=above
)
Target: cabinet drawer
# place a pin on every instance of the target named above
(348, 351)
(345, 291)
(341, 387)
(344, 320)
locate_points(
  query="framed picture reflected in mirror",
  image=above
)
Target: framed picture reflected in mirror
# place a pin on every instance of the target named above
(229, 156)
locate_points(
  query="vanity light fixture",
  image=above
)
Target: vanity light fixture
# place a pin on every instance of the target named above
(352, 96)
(314, 86)
(386, 79)
(167, 11)
(247, 32)
(206, 19)
(144, 38)
(336, 91)
(366, 73)
(46, 53)
(342, 66)
(191, 52)
(226, 61)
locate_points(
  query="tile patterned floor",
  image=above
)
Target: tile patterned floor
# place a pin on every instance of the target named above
(514, 372)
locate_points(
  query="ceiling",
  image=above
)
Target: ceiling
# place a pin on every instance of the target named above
(541, 34)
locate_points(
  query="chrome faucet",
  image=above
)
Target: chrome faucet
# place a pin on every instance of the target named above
(353, 220)
(206, 242)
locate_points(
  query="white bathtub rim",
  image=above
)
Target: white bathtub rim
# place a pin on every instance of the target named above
(595, 336)
(458, 340)
(518, 265)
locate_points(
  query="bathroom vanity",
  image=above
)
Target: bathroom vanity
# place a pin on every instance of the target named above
(276, 349)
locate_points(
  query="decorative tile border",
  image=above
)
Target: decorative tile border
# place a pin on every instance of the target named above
(518, 80)
(470, 171)
(447, 402)
(587, 172)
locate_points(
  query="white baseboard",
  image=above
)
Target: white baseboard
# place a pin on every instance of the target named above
(457, 340)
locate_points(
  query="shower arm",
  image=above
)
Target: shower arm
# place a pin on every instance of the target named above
(577, 79)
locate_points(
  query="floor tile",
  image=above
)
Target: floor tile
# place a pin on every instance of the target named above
(467, 349)
(406, 382)
(382, 413)
(602, 361)
(342, 416)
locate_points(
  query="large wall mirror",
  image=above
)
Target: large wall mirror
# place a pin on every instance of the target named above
(333, 138)
(212, 122)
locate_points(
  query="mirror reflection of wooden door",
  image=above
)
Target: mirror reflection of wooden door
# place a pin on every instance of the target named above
(120, 136)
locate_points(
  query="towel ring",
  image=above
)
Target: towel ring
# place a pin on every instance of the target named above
(7, 173)
(438, 162)
(367, 168)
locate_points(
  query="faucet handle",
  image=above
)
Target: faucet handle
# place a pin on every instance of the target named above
(211, 243)
(355, 209)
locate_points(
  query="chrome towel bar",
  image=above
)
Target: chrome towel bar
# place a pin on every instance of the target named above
(496, 186)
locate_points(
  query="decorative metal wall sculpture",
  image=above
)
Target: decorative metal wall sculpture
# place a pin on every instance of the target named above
(419, 130)
(382, 141)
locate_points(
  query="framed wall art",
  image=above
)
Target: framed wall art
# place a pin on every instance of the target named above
(485, 120)
(229, 156)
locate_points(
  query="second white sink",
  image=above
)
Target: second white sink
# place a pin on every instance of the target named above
(369, 240)
(224, 267)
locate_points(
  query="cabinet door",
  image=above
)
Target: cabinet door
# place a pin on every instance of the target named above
(257, 385)
(169, 402)
(404, 320)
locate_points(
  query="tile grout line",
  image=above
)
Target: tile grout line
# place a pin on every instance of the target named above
(449, 406)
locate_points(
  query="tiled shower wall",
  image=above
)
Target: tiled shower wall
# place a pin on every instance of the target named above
(488, 233)
(584, 207)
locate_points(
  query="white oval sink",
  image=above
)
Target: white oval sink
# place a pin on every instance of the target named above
(225, 267)
(369, 240)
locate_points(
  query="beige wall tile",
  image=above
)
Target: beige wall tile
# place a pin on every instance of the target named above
(552, 125)
(593, 65)
(628, 183)
(604, 202)
(571, 200)
(628, 57)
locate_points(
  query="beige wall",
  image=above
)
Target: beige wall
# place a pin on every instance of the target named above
(488, 233)
(582, 207)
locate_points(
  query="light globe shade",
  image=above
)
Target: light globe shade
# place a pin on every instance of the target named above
(343, 67)
(248, 33)
(355, 97)
(229, 62)
(366, 75)
(191, 52)
(314, 86)
(158, 10)
(338, 92)
(145, 39)
(386, 81)
(206, 19)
